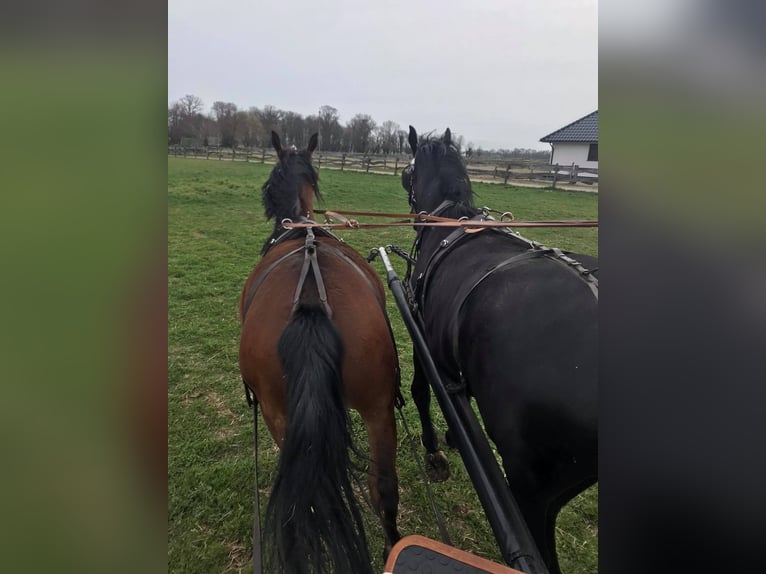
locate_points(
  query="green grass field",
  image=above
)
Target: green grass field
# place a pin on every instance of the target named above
(216, 229)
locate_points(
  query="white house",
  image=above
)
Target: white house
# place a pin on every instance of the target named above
(575, 143)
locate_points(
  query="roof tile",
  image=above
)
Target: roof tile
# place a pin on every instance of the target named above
(583, 130)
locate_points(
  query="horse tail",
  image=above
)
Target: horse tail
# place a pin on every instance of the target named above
(313, 518)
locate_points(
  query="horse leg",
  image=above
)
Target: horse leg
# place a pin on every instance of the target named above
(382, 479)
(540, 501)
(437, 465)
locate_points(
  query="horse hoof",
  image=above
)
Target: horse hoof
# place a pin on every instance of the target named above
(437, 466)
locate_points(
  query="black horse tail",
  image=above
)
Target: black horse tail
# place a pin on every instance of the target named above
(313, 522)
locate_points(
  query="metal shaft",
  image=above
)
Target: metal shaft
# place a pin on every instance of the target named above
(514, 540)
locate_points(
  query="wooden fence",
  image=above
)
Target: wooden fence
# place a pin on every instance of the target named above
(484, 170)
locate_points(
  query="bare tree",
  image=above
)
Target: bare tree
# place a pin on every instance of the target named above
(292, 129)
(388, 136)
(311, 125)
(250, 128)
(270, 117)
(330, 130)
(361, 127)
(185, 120)
(191, 105)
(175, 122)
(225, 114)
(401, 137)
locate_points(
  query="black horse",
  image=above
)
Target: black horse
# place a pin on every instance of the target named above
(512, 324)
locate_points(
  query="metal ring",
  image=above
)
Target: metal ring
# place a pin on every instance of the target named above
(464, 218)
(285, 221)
(509, 214)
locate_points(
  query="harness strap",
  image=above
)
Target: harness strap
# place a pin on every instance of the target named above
(586, 274)
(257, 549)
(261, 278)
(257, 545)
(534, 251)
(437, 257)
(513, 261)
(310, 260)
(291, 232)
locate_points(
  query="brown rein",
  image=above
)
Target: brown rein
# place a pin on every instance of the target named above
(426, 221)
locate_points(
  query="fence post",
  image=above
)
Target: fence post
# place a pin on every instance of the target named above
(368, 161)
(319, 162)
(343, 162)
(396, 165)
(263, 155)
(507, 171)
(555, 175)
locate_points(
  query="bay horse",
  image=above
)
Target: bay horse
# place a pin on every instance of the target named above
(315, 341)
(513, 325)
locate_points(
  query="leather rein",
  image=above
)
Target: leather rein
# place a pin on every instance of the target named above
(427, 220)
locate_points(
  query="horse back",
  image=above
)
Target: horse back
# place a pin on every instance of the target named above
(523, 341)
(357, 299)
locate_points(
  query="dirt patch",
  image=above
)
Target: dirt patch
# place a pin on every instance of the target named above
(239, 558)
(218, 404)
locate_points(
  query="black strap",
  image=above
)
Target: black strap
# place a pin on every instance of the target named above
(257, 552)
(585, 274)
(257, 545)
(436, 258)
(462, 298)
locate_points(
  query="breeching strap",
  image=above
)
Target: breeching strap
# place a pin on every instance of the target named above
(257, 549)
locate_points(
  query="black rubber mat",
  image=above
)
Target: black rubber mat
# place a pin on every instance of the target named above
(416, 559)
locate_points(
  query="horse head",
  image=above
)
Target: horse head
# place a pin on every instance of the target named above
(290, 190)
(435, 174)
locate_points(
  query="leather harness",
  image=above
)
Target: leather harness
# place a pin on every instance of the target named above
(310, 262)
(461, 234)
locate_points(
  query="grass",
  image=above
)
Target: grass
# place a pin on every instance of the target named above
(215, 232)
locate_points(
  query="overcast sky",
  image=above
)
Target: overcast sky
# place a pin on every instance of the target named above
(501, 73)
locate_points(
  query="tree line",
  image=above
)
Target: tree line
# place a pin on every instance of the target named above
(226, 125)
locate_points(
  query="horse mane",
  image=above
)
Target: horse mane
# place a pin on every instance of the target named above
(282, 190)
(453, 177)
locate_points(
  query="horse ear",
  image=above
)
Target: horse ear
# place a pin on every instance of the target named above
(413, 139)
(313, 143)
(275, 141)
(448, 138)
